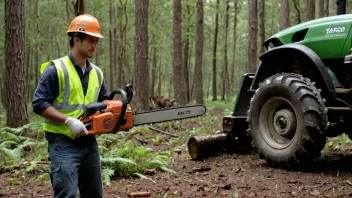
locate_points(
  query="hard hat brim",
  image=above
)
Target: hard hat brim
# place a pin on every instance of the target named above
(88, 33)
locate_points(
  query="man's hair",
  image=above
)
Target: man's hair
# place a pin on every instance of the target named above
(72, 35)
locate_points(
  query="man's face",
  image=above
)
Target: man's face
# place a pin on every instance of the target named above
(86, 46)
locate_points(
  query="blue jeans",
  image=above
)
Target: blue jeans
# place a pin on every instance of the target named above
(74, 164)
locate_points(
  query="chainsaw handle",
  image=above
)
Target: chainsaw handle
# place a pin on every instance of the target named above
(121, 118)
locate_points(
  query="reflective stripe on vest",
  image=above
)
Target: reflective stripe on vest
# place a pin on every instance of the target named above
(71, 100)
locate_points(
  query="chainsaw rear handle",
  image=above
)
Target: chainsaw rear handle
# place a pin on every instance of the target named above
(121, 118)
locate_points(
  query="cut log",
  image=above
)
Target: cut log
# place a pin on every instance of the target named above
(200, 147)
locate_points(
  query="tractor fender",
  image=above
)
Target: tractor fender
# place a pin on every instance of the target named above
(295, 58)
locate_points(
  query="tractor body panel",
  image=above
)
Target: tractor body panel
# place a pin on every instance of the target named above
(328, 37)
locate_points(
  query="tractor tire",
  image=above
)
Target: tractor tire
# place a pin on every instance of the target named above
(286, 118)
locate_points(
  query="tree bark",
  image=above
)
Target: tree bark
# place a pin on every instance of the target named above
(327, 8)
(225, 73)
(321, 9)
(332, 8)
(15, 72)
(232, 73)
(198, 66)
(178, 73)
(215, 42)
(284, 14)
(67, 10)
(252, 36)
(37, 47)
(79, 7)
(309, 10)
(298, 11)
(123, 66)
(201, 147)
(153, 71)
(141, 76)
(112, 44)
(261, 25)
(186, 51)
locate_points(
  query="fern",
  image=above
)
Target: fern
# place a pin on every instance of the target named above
(8, 136)
(19, 130)
(144, 177)
(31, 166)
(8, 143)
(107, 161)
(106, 175)
(164, 168)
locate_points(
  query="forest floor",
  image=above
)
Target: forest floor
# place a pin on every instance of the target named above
(221, 176)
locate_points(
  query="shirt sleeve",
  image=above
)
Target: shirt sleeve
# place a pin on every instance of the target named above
(47, 90)
(104, 93)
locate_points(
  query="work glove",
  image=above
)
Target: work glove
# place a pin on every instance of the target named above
(77, 127)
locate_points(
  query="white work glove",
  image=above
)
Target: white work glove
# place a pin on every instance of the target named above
(77, 127)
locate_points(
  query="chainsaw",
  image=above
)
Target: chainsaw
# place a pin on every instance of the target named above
(111, 116)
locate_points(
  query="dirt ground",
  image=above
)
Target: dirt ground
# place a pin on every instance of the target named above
(222, 176)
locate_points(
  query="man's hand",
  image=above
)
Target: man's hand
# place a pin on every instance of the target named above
(77, 127)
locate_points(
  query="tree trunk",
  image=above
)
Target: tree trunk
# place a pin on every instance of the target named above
(309, 10)
(160, 76)
(178, 73)
(30, 76)
(332, 8)
(79, 7)
(112, 44)
(141, 76)
(215, 42)
(15, 72)
(252, 36)
(321, 9)
(326, 8)
(298, 11)
(153, 71)
(67, 10)
(225, 73)
(123, 67)
(261, 25)
(284, 14)
(198, 66)
(186, 52)
(37, 47)
(232, 73)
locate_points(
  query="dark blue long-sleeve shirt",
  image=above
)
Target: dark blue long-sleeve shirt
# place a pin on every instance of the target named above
(48, 86)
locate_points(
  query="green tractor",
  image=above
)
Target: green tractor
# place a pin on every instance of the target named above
(300, 94)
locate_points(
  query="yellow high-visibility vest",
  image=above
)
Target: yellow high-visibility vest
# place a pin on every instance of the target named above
(71, 100)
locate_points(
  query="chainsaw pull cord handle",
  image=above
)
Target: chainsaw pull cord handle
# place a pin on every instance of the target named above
(121, 118)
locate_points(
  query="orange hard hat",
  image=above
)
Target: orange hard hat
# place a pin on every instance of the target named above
(86, 24)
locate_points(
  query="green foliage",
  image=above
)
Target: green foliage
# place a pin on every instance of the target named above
(223, 105)
(157, 140)
(123, 158)
(15, 148)
(339, 143)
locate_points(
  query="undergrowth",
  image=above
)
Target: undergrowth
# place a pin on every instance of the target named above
(24, 149)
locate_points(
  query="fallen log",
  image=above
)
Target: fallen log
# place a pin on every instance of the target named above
(201, 147)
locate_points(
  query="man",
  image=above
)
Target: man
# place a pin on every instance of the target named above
(68, 84)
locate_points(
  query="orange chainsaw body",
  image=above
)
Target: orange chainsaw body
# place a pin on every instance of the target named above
(104, 121)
